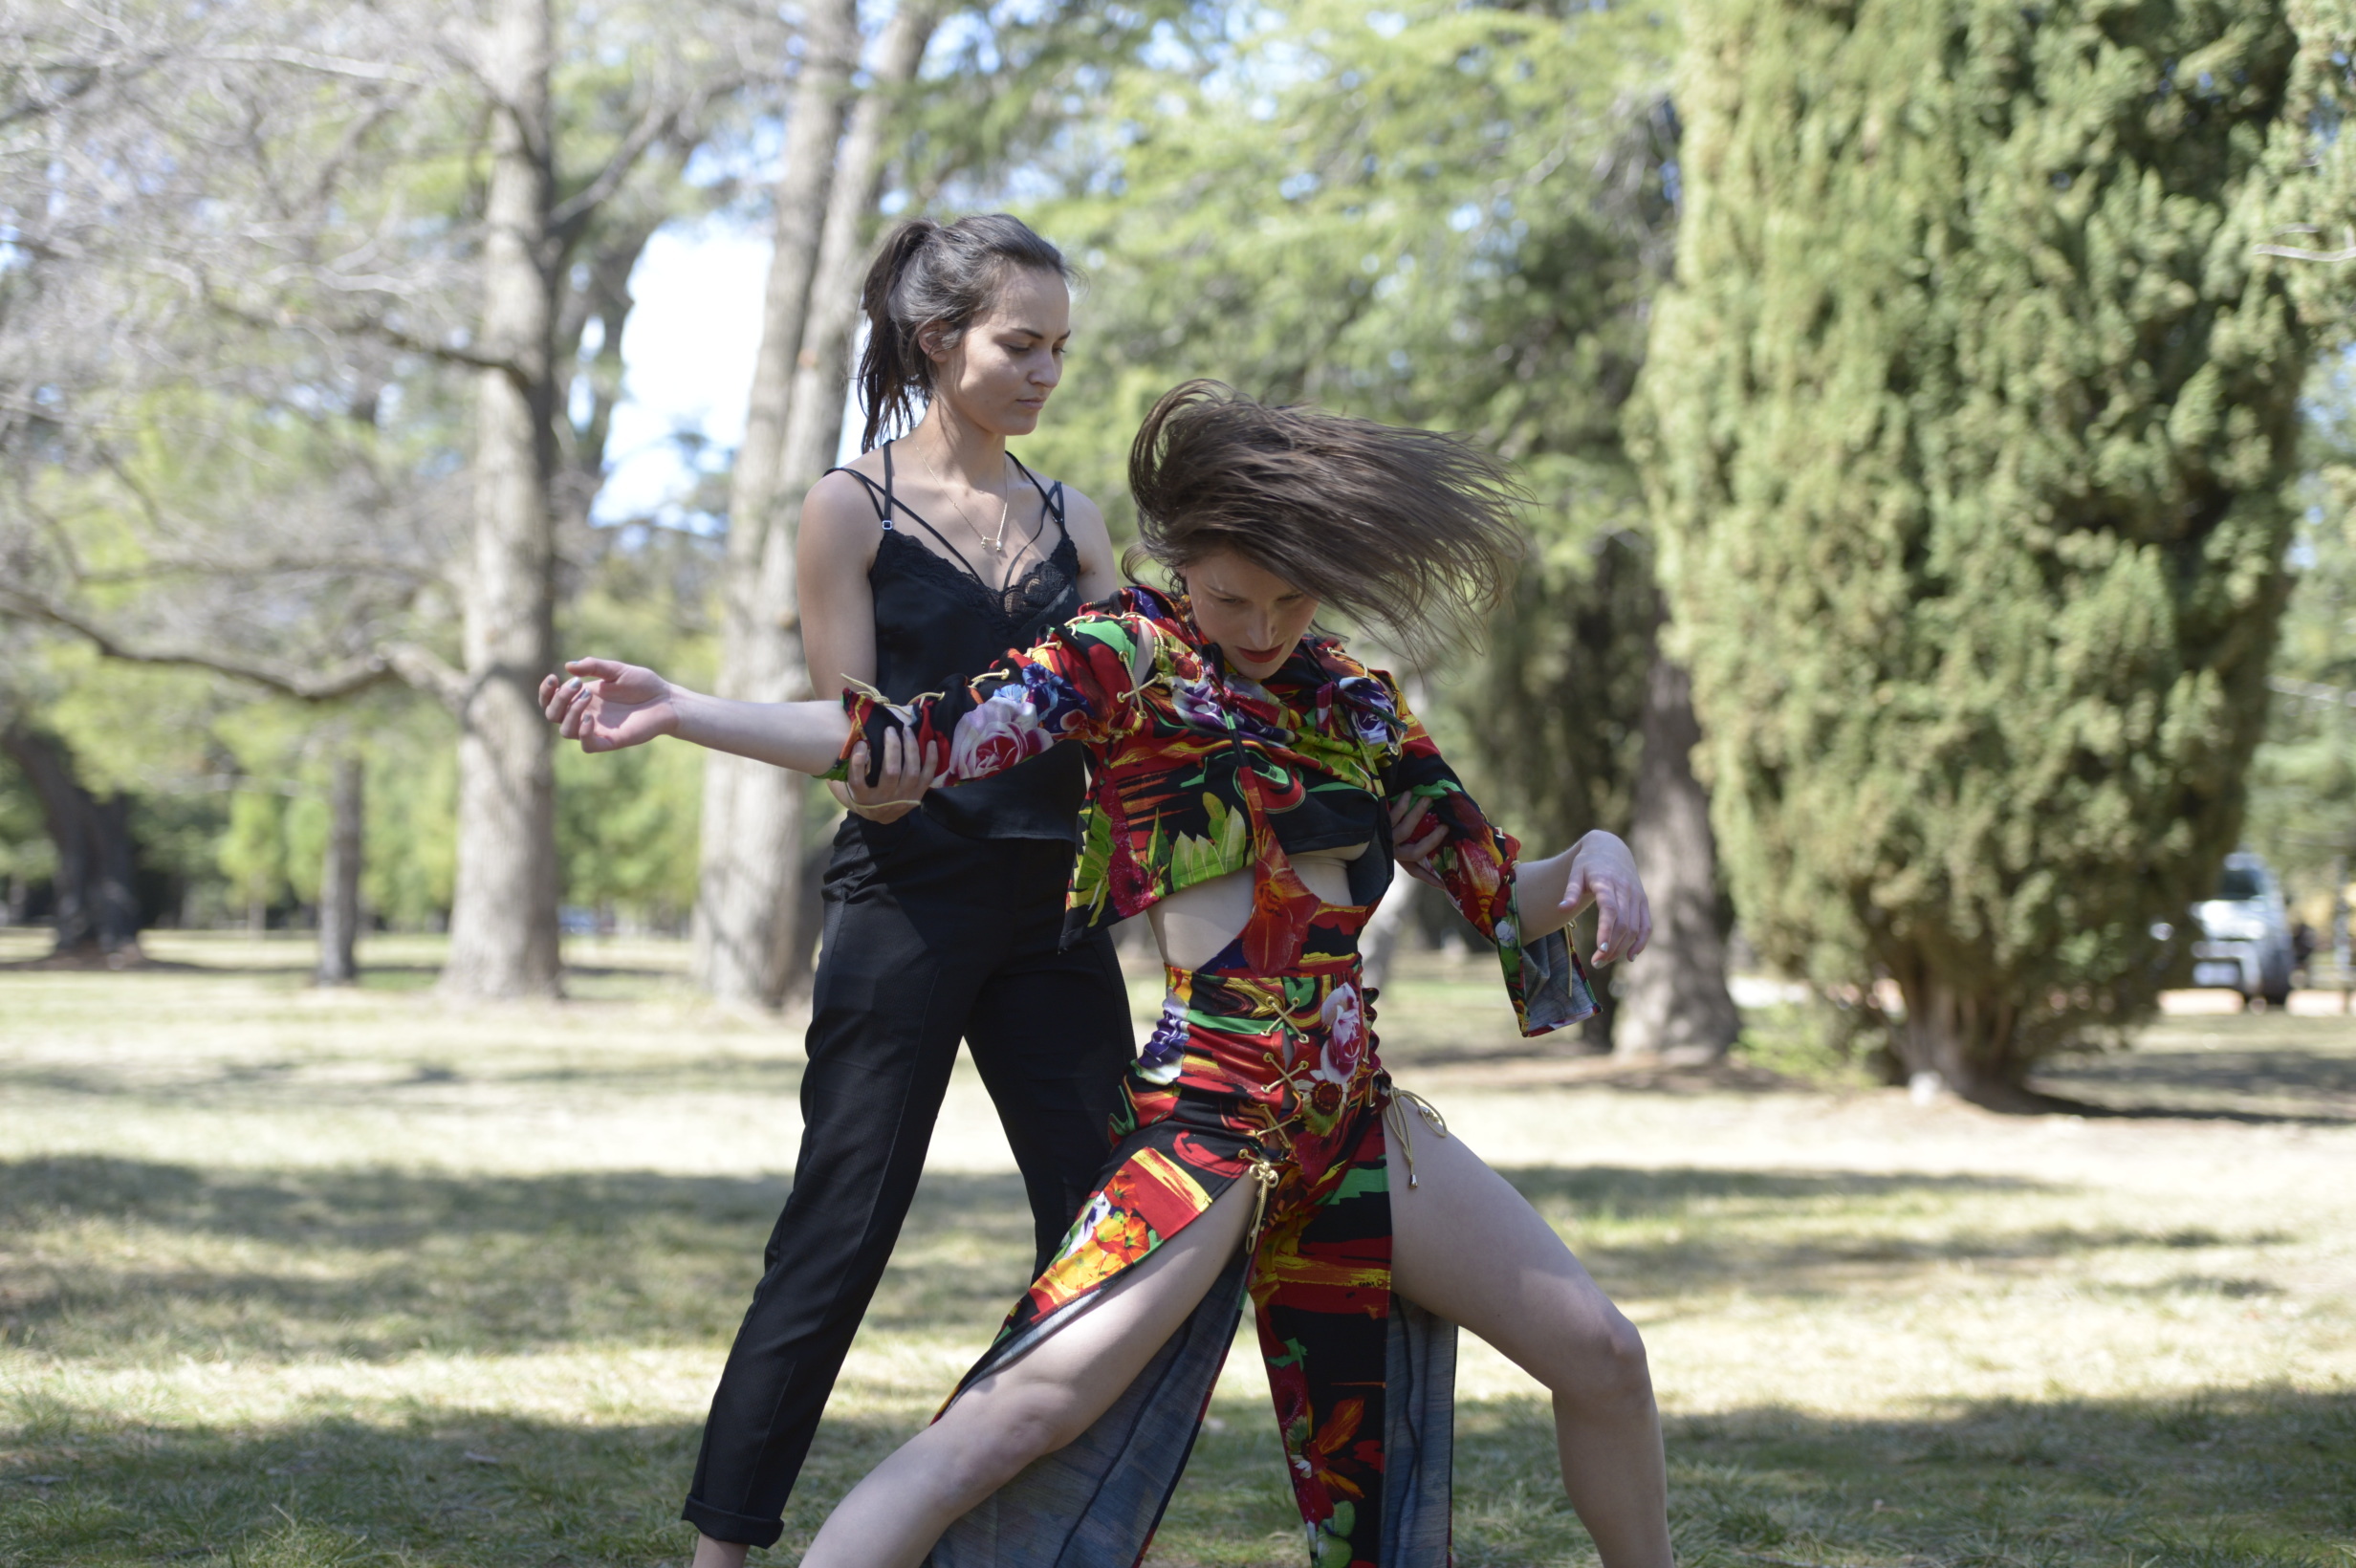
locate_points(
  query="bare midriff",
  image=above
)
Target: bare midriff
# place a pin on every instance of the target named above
(1194, 926)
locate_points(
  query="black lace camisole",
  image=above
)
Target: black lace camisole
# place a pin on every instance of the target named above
(936, 618)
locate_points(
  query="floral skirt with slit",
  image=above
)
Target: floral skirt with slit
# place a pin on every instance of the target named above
(1266, 1078)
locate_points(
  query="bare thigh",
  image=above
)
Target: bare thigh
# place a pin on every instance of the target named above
(1465, 1245)
(1055, 1391)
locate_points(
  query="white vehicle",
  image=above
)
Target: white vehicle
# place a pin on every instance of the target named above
(2246, 939)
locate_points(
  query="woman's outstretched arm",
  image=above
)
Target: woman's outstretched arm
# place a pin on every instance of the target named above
(606, 705)
(1598, 869)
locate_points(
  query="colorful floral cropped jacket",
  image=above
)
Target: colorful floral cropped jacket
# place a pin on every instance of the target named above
(1193, 767)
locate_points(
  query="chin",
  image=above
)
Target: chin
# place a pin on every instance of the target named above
(1021, 422)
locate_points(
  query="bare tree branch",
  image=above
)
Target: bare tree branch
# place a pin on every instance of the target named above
(307, 60)
(371, 326)
(658, 120)
(345, 680)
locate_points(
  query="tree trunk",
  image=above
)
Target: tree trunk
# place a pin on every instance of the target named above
(98, 903)
(503, 916)
(1673, 1002)
(1954, 1040)
(755, 951)
(340, 876)
(731, 932)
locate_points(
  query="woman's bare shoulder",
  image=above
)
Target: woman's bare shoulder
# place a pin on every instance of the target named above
(840, 514)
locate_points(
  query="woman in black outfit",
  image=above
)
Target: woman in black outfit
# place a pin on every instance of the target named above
(927, 557)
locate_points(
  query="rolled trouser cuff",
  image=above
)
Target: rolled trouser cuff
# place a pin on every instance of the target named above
(723, 1526)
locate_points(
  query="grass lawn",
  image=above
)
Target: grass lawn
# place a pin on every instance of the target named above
(293, 1278)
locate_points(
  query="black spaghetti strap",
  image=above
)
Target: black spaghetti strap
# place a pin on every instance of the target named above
(1051, 502)
(1051, 499)
(917, 518)
(877, 496)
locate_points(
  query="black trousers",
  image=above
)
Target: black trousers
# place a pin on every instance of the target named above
(928, 936)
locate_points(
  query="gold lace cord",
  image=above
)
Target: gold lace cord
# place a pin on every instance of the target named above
(1396, 1119)
(852, 683)
(1265, 1177)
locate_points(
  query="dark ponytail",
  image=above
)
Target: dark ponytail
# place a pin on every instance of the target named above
(931, 272)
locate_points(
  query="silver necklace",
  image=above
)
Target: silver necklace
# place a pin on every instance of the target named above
(1006, 500)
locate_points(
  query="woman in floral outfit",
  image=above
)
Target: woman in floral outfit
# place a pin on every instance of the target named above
(1250, 781)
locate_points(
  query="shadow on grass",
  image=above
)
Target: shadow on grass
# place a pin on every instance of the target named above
(2261, 1088)
(383, 1208)
(116, 1261)
(770, 1074)
(2229, 1478)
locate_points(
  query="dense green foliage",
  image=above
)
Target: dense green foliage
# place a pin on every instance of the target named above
(1973, 417)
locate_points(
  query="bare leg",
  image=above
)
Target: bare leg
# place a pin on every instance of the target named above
(712, 1554)
(1468, 1247)
(1034, 1407)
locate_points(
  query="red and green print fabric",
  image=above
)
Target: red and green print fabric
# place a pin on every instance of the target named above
(1169, 734)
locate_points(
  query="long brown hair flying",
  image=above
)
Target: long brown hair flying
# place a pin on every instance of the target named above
(1411, 529)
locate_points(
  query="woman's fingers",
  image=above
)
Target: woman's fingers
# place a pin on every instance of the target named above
(596, 669)
(1644, 925)
(563, 697)
(1623, 919)
(1414, 834)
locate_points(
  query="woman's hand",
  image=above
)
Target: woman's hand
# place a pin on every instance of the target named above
(1414, 834)
(899, 790)
(607, 705)
(1603, 872)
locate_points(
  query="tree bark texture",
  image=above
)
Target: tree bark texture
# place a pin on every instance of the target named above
(503, 916)
(1964, 1042)
(98, 902)
(735, 907)
(339, 874)
(759, 951)
(1673, 1001)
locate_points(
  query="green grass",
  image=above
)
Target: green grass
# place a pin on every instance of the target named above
(292, 1278)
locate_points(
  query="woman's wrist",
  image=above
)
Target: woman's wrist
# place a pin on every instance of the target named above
(690, 714)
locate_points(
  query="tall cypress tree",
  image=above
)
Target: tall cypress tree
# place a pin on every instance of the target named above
(1972, 416)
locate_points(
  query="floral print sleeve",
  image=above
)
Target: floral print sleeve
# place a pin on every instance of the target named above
(1475, 863)
(1078, 684)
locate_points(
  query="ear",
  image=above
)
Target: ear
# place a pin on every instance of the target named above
(932, 339)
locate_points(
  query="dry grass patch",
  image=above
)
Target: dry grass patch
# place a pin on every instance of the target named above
(291, 1277)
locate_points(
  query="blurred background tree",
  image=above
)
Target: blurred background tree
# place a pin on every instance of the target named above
(319, 313)
(1975, 419)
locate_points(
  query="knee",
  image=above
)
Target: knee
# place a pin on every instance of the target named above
(1603, 1365)
(1018, 1432)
